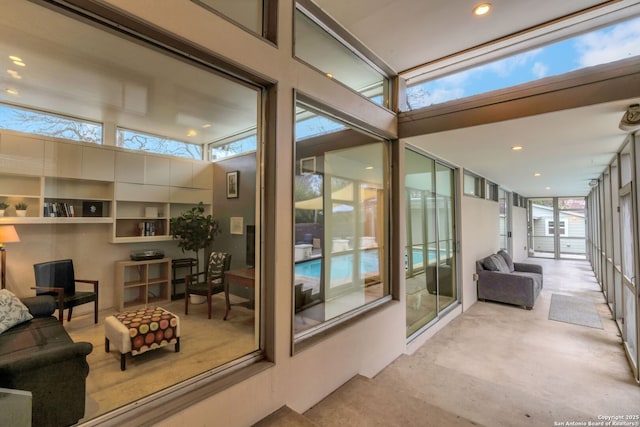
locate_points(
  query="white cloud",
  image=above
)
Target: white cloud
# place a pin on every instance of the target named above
(504, 67)
(539, 70)
(602, 47)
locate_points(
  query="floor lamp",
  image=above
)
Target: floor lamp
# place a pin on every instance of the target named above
(8, 234)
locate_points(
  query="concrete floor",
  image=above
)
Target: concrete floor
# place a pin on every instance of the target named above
(496, 365)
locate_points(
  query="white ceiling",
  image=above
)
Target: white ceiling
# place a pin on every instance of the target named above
(568, 147)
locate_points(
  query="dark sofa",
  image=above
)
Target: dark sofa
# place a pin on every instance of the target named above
(502, 280)
(39, 356)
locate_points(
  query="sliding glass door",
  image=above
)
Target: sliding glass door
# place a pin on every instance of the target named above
(430, 253)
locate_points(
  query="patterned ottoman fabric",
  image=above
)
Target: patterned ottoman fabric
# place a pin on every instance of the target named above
(140, 330)
(149, 328)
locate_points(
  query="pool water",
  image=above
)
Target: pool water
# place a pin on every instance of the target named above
(341, 266)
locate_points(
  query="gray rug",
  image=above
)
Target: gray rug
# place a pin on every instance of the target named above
(579, 311)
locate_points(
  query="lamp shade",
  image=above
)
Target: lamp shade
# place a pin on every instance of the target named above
(8, 234)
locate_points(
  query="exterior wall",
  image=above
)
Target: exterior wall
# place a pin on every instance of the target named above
(480, 225)
(303, 379)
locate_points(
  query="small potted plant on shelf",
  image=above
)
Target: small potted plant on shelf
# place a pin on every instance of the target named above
(21, 209)
(3, 206)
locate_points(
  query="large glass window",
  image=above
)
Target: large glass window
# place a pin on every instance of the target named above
(247, 13)
(323, 50)
(603, 46)
(341, 226)
(166, 105)
(430, 256)
(28, 120)
(141, 141)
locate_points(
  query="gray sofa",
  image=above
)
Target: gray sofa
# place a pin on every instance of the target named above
(39, 356)
(502, 280)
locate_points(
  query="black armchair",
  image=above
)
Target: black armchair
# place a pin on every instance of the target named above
(57, 278)
(210, 282)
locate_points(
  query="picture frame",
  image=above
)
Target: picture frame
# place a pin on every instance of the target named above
(307, 165)
(236, 225)
(233, 181)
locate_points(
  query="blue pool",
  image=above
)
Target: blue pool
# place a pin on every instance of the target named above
(341, 266)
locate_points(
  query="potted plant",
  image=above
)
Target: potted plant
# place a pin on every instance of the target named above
(194, 230)
(3, 206)
(21, 209)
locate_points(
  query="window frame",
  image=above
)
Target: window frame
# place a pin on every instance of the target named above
(310, 336)
(158, 405)
(325, 22)
(478, 185)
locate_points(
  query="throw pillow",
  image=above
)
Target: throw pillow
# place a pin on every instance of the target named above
(490, 264)
(12, 311)
(505, 255)
(501, 263)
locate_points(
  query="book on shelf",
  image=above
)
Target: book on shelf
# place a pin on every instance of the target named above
(58, 209)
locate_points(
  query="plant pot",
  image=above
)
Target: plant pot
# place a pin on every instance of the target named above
(21, 213)
(197, 299)
(1, 212)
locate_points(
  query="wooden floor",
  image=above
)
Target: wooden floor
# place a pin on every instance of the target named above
(204, 345)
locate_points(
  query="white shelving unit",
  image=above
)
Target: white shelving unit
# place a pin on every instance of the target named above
(137, 193)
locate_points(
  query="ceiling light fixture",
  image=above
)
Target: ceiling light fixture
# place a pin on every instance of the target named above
(15, 58)
(329, 75)
(20, 63)
(516, 147)
(14, 74)
(631, 118)
(12, 91)
(192, 132)
(482, 9)
(547, 188)
(369, 168)
(537, 174)
(206, 125)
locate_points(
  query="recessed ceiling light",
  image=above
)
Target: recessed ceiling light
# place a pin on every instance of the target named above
(14, 74)
(15, 58)
(369, 168)
(192, 132)
(537, 174)
(20, 63)
(12, 91)
(482, 9)
(330, 75)
(206, 125)
(547, 188)
(516, 147)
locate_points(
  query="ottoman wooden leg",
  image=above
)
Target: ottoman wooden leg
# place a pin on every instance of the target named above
(177, 344)
(123, 362)
(106, 345)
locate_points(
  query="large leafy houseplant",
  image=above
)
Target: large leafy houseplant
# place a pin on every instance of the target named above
(194, 230)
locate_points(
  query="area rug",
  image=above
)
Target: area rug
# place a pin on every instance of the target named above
(579, 311)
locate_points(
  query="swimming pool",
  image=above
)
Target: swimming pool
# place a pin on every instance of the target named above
(341, 266)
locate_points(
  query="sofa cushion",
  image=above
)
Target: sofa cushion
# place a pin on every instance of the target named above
(507, 258)
(495, 263)
(12, 311)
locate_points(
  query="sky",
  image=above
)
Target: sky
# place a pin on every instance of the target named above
(599, 47)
